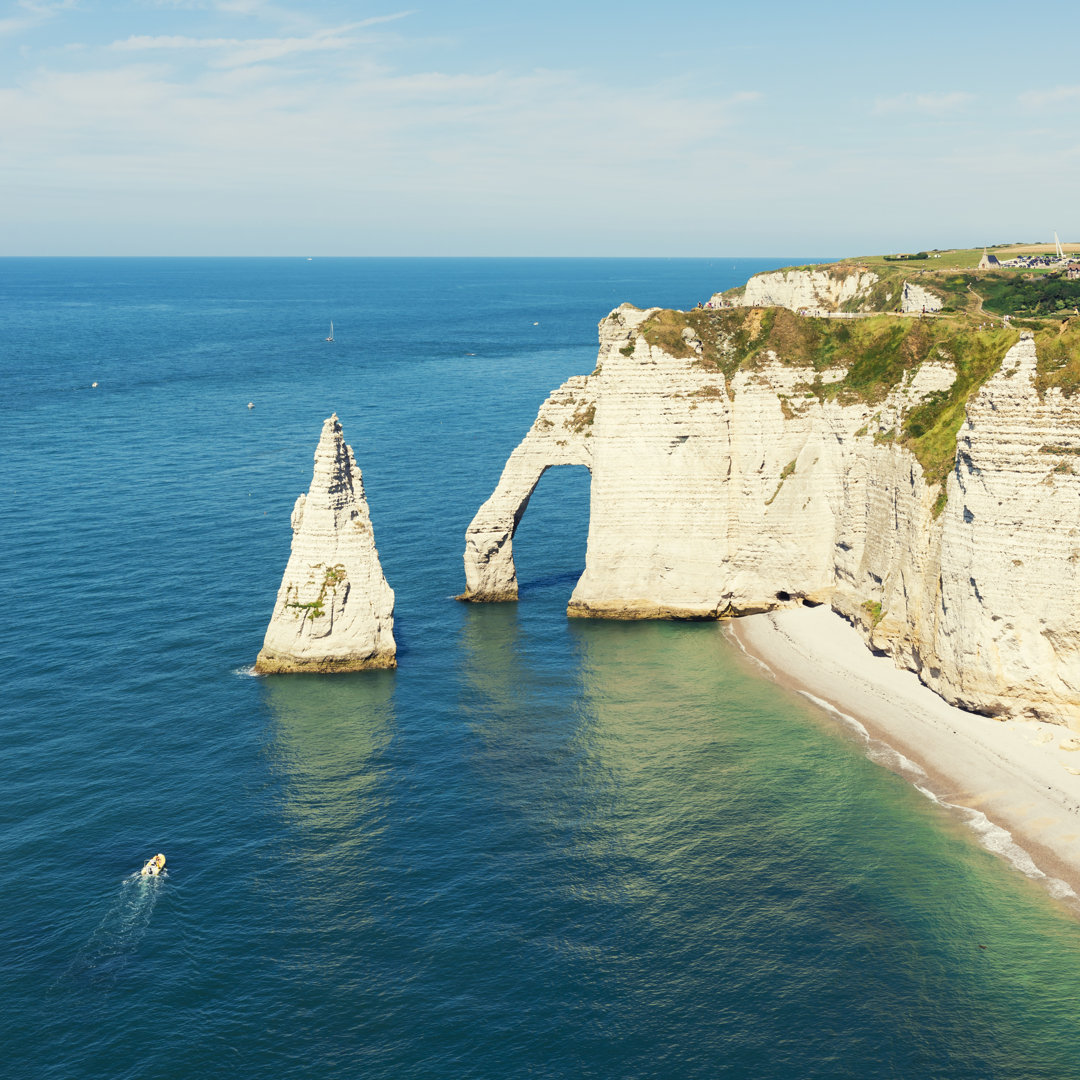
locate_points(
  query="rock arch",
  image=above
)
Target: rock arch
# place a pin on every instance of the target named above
(560, 436)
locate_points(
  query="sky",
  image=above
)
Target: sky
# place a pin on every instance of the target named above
(587, 128)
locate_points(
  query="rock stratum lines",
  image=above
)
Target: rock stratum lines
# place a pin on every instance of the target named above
(334, 610)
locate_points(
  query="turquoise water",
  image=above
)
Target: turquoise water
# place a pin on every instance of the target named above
(539, 848)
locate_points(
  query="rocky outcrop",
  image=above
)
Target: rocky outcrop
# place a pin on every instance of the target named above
(818, 291)
(334, 610)
(916, 299)
(715, 496)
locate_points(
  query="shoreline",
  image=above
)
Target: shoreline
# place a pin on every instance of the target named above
(1007, 780)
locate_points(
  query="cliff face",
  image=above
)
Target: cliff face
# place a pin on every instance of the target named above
(722, 487)
(334, 610)
(831, 290)
(812, 290)
(915, 299)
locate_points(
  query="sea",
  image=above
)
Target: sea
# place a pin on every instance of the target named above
(542, 847)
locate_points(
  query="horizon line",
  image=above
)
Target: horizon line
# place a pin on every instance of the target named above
(312, 258)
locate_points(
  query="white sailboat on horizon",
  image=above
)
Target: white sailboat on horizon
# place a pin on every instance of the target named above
(331, 337)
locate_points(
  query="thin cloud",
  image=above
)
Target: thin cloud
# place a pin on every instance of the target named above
(1044, 99)
(243, 51)
(37, 12)
(932, 104)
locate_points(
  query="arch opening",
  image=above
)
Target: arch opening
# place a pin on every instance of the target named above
(550, 541)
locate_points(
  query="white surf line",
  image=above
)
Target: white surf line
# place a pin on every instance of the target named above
(992, 837)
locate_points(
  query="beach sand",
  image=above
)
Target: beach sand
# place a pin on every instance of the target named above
(1010, 781)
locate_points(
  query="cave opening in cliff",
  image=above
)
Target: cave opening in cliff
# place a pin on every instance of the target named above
(549, 544)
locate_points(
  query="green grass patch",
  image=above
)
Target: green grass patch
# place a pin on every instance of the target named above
(930, 429)
(877, 352)
(583, 418)
(787, 470)
(1058, 349)
(873, 609)
(333, 576)
(1030, 296)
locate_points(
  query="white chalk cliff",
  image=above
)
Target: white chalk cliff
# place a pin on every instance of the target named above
(916, 299)
(831, 290)
(818, 290)
(334, 610)
(714, 497)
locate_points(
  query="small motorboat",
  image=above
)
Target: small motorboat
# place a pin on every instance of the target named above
(154, 867)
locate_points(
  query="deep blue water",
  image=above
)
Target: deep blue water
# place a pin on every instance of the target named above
(539, 848)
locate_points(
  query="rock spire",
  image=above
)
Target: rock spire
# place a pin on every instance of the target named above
(334, 610)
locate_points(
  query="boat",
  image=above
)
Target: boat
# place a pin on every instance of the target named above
(331, 337)
(154, 867)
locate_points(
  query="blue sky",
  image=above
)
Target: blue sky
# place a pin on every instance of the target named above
(483, 128)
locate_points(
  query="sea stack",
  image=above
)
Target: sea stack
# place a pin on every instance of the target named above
(334, 610)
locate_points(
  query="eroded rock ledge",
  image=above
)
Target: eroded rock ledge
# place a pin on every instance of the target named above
(722, 488)
(334, 610)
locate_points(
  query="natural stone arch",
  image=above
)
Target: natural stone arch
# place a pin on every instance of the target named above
(560, 436)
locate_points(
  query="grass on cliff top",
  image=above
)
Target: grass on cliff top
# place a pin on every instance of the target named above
(878, 352)
(930, 429)
(1058, 349)
(952, 275)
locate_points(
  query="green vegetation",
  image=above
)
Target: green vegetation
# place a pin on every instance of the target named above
(932, 264)
(314, 609)
(787, 470)
(1058, 350)
(873, 609)
(881, 348)
(930, 429)
(877, 352)
(1012, 293)
(583, 418)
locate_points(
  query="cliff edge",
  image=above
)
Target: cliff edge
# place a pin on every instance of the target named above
(334, 610)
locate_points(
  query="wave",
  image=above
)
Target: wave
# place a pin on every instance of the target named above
(999, 841)
(994, 838)
(876, 749)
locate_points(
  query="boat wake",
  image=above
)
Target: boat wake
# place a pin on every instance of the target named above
(113, 944)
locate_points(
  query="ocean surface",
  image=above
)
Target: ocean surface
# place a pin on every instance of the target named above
(541, 847)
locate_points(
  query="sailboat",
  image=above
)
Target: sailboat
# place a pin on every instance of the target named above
(331, 337)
